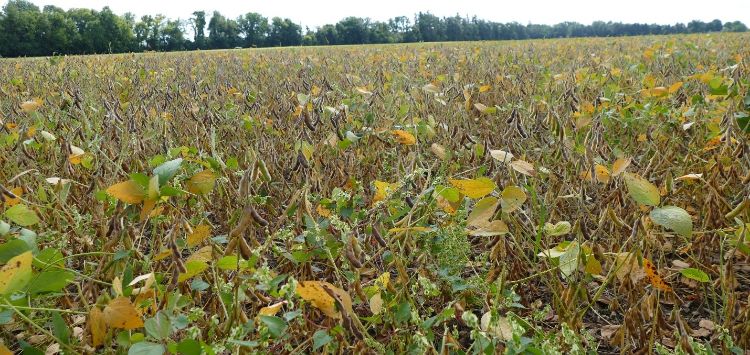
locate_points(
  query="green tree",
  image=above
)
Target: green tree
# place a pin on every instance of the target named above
(254, 29)
(198, 21)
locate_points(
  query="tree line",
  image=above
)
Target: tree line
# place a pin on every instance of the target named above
(26, 30)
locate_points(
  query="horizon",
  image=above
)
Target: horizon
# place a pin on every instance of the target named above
(310, 15)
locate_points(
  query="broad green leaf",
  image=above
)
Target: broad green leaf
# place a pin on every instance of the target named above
(167, 170)
(22, 215)
(50, 281)
(146, 348)
(674, 218)
(189, 347)
(193, 268)
(641, 190)
(320, 339)
(12, 248)
(275, 325)
(158, 327)
(695, 274)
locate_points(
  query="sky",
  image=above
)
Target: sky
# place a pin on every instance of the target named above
(317, 13)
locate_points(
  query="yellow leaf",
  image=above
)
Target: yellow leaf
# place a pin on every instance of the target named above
(602, 173)
(127, 191)
(382, 189)
(4, 350)
(10, 201)
(593, 266)
(474, 188)
(382, 281)
(674, 87)
(689, 177)
(323, 211)
(200, 233)
(404, 137)
(97, 326)
(513, 198)
(202, 182)
(272, 309)
(485, 88)
(409, 229)
(620, 165)
(163, 255)
(121, 314)
(76, 155)
(483, 211)
(16, 274)
(315, 293)
(204, 254)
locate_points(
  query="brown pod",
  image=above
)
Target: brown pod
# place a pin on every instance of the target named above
(258, 219)
(245, 250)
(352, 258)
(378, 237)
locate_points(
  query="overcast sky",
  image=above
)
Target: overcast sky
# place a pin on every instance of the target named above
(317, 13)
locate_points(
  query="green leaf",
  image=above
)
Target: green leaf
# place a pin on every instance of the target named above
(167, 170)
(50, 281)
(403, 313)
(275, 325)
(230, 262)
(674, 218)
(146, 348)
(695, 274)
(59, 328)
(22, 215)
(189, 347)
(193, 267)
(159, 326)
(12, 248)
(48, 258)
(320, 339)
(641, 190)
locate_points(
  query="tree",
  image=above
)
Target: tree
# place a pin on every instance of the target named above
(284, 33)
(735, 26)
(222, 32)
(254, 29)
(20, 29)
(198, 21)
